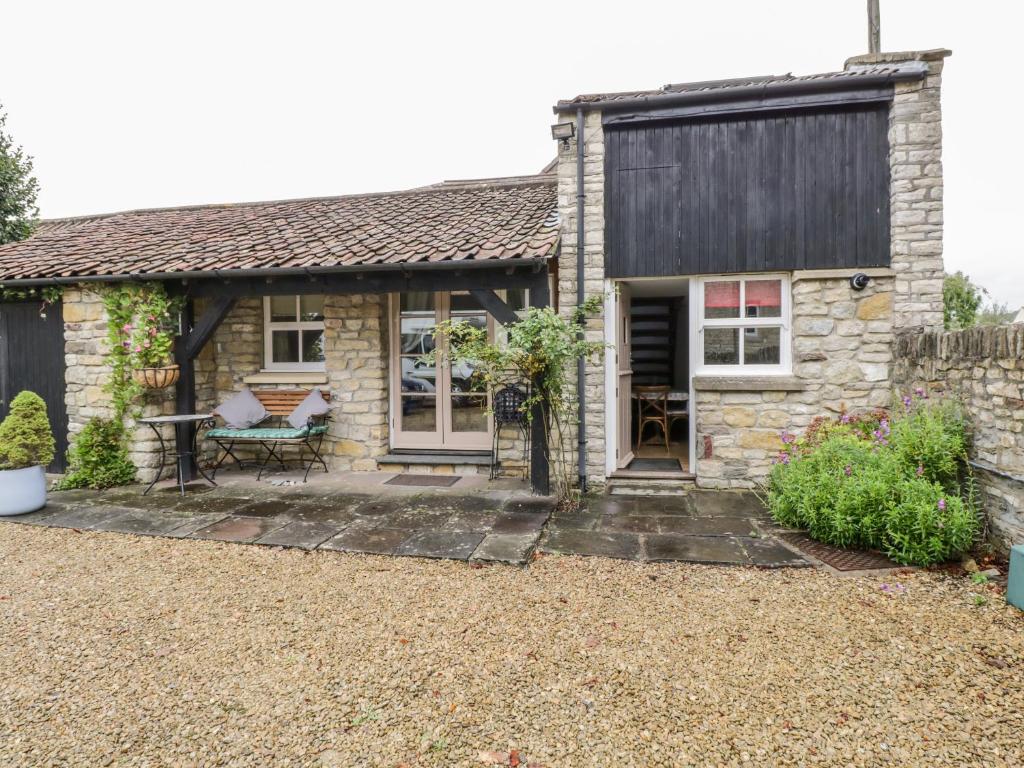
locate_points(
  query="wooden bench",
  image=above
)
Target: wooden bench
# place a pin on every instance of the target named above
(276, 436)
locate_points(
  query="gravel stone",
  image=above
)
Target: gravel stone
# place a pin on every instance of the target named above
(138, 651)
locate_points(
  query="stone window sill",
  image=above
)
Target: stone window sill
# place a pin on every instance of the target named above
(749, 383)
(287, 377)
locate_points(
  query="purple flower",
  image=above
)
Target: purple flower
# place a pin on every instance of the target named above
(942, 504)
(884, 426)
(907, 401)
(919, 392)
(920, 470)
(787, 438)
(848, 471)
(845, 418)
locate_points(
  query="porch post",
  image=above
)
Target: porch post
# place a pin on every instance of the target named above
(185, 392)
(540, 460)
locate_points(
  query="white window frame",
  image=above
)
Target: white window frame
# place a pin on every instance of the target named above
(268, 343)
(784, 323)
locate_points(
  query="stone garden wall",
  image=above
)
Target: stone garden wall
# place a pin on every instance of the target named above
(984, 369)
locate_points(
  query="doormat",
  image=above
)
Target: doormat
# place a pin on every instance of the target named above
(655, 465)
(433, 481)
(840, 559)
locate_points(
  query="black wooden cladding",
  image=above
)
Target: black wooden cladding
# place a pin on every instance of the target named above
(754, 193)
(32, 358)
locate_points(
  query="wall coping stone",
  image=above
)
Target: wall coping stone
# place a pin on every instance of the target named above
(749, 383)
(892, 57)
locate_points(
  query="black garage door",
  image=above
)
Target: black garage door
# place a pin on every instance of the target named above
(32, 357)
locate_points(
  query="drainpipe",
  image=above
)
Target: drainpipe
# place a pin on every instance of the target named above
(581, 374)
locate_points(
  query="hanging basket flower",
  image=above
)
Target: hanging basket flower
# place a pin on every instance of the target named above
(156, 378)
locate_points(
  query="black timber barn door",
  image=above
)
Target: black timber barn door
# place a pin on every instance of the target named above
(754, 192)
(32, 357)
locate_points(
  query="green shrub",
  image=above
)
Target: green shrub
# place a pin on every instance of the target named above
(98, 457)
(25, 436)
(893, 482)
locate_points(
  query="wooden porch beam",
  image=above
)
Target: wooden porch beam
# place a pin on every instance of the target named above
(208, 323)
(185, 389)
(502, 276)
(494, 304)
(540, 458)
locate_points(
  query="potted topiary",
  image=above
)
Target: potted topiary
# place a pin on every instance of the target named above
(26, 447)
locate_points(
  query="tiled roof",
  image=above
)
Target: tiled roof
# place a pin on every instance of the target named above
(511, 218)
(840, 79)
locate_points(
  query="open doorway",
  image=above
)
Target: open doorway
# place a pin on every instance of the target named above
(653, 377)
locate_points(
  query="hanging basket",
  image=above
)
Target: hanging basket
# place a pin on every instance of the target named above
(156, 378)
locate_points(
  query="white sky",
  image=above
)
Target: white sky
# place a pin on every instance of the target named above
(134, 105)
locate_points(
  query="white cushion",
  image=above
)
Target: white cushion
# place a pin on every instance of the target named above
(313, 405)
(242, 411)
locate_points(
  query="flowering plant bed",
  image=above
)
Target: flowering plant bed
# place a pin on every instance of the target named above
(895, 481)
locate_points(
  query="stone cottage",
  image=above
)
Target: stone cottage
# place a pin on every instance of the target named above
(758, 243)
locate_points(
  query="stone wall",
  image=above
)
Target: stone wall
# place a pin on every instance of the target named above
(88, 374)
(916, 215)
(842, 357)
(593, 222)
(983, 368)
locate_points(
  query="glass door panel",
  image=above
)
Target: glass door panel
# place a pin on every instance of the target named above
(440, 404)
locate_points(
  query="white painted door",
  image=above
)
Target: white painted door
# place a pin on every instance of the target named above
(624, 383)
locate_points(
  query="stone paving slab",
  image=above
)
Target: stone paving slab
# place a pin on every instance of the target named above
(300, 535)
(190, 525)
(375, 541)
(722, 550)
(84, 518)
(142, 523)
(239, 530)
(448, 545)
(575, 541)
(512, 548)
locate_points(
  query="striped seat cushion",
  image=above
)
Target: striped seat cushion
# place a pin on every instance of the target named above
(265, 433)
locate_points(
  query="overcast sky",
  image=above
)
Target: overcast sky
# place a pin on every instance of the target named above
(136, 105)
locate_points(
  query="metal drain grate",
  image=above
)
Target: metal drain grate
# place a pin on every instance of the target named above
(429, 481)
(840, 559)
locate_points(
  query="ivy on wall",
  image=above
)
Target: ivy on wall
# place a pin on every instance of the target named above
(46, 294)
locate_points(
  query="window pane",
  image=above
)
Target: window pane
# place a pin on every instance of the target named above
(311, 308)
(762, 346)
(418, 376)
(516, 298)
(419, 414)
(282, 309)
(285, 346)
(722, 299)
(464, 302)
(417, 302)
(721, 346)
(763, 298)
(417, 335)
(469, 413)
(312, 346)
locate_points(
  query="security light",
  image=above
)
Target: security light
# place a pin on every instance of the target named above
(563, 132)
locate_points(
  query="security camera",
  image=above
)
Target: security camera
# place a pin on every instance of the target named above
(859, 281)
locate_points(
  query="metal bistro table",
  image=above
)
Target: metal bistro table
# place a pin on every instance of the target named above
(182, 453)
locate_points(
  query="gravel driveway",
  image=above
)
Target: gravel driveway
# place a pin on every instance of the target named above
(120, 650)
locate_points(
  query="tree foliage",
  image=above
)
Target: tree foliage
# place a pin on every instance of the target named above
(961, 300)
(98, 457)
(18, 189)
(539, 353)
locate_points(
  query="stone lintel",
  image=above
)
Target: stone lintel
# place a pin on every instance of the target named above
(893, 57)
(749, 383)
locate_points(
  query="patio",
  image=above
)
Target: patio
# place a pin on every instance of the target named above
(345, 511)
(470, 519)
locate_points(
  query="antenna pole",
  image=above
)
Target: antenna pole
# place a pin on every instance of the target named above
(874, 27)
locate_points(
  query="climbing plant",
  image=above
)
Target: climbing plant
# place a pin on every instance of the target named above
(540, 349)
(141, 326)
(46, 294)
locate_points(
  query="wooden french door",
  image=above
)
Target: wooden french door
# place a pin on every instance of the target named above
(435, 404)
(624, 380)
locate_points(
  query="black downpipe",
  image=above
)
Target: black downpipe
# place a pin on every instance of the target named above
(581, 373)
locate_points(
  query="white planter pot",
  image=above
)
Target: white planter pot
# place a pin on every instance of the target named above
(22, 490)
